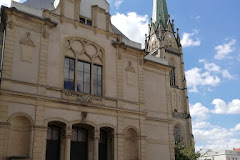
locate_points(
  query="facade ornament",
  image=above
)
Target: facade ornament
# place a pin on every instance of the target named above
(130, 68)
(119, 56)
(45, 33)
(27, 41)
(84, 117)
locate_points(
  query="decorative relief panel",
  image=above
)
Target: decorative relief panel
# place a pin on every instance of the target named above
(27, 48)
(84, 50)
(131, 80)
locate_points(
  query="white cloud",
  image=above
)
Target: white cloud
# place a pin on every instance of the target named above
(216, 138)
(224, 49)
(188, 41)
(226, 74)
(212, 67)
(199, 112)
(134, 26)
(209, 75)
(195, 77)
(7, 2)
(221, 107)
(118, 3)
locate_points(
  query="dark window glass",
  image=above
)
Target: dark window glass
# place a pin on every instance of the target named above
(172, 78)
(79, 134)
(82, 20)
(69, 67)
(83, 77)
(97, 80)
(53, 133)
(89, 22)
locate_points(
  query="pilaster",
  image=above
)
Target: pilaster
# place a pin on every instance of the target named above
(43, 57)
(119, 75)
(39, 142)
(9, 50)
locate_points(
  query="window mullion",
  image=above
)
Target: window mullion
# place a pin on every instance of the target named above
(91, 78)
(75, 75)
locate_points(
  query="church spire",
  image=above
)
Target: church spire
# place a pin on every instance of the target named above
(160, 8)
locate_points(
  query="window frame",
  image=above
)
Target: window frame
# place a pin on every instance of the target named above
(76, 60)
(172, 76)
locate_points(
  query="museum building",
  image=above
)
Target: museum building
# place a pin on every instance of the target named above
(73, 87)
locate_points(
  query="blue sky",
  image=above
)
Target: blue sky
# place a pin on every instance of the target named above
(210, 36)
(210, 40)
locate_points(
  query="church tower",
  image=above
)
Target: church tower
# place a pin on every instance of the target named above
(163, 42)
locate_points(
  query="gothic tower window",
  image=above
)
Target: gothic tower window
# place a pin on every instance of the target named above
(177, 134)
(172, 73)
(172, 77)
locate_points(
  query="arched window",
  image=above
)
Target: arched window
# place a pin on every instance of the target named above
(172, 77)
(83, 66)
(172, 73)
(177, 134)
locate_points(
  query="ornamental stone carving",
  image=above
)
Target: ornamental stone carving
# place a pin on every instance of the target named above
(84, 50)
(27, 48)
(131, 78)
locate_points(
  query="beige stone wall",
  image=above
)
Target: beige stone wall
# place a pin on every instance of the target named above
(137, 101)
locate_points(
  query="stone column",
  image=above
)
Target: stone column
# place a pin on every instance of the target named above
(68, 144)
(96, 143)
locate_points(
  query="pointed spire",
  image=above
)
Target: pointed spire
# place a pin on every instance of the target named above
(160, 8)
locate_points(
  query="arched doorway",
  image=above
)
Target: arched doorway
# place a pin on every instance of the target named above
(55, 137)
(106, 144)
(80, 141)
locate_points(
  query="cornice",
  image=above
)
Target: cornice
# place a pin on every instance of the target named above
(27, 16)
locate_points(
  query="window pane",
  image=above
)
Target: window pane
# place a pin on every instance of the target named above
(71, 75)
(74, 135)
(86, 77)
(86, 87)
(66, 73)
(55, 134)
(82, 135)
(72, 64)
(99, 90)
(95, 79)
(95, 68)
(66, 63)
(100, 80)
(80, 66)
(86, 67)
(80, 86)
(95, 89)
(80, 76)
(49, 133)
(99, 70)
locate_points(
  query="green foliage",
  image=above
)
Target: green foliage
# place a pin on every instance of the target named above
(183, 153)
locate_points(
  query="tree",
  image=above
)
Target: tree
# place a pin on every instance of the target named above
(183, 153)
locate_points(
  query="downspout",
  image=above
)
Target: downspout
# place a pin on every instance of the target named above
(2, 54)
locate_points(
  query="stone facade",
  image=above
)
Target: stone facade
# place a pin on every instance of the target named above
(131, 117)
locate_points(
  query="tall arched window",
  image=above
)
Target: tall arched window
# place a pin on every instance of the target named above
(177, 134)
(172, 73)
